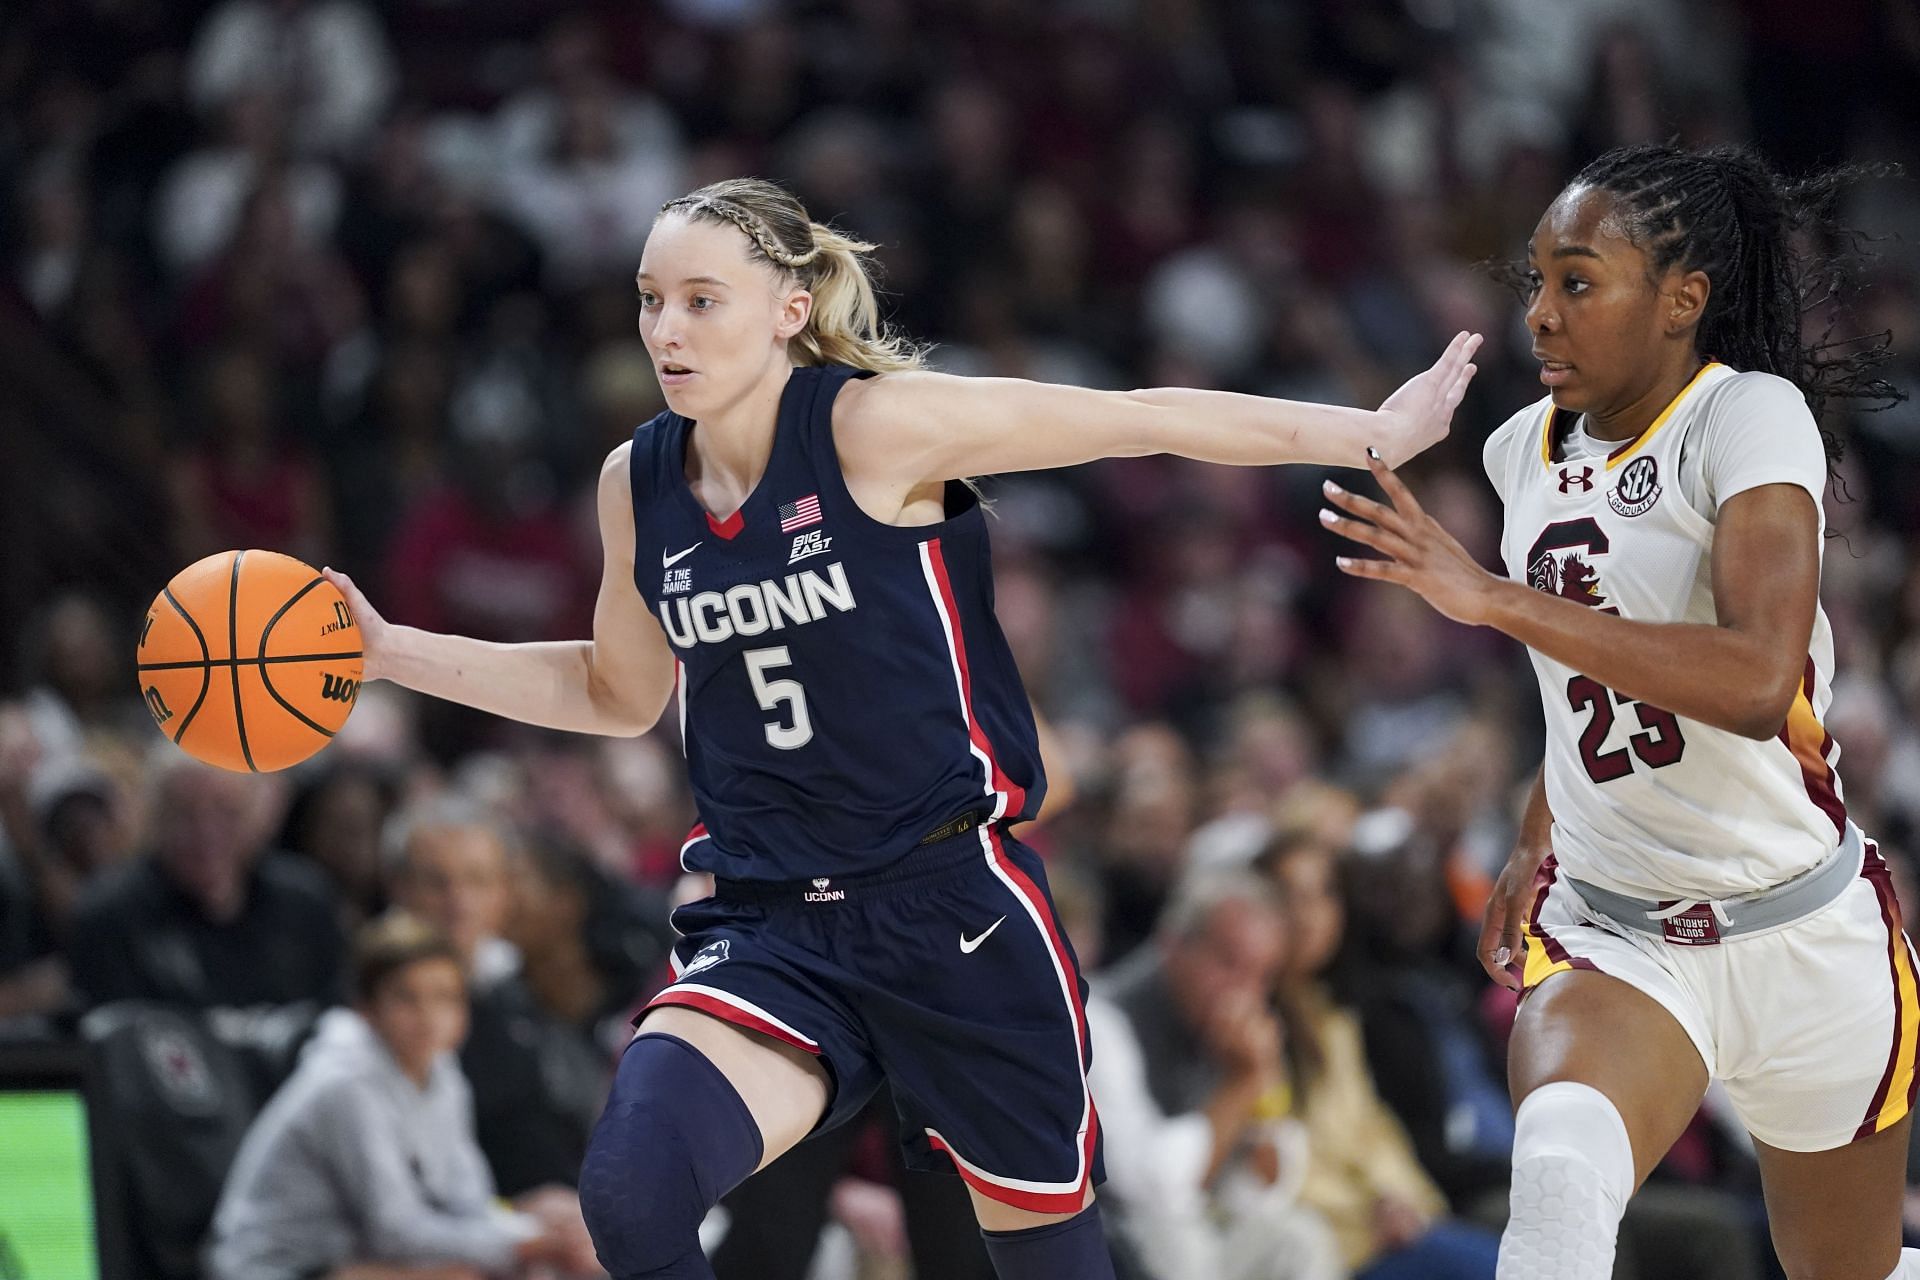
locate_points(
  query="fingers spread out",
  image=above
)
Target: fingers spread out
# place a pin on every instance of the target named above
(1393, 486)
(1359, 531)
(1379, 570)
(1369, 523)
(1356, 504)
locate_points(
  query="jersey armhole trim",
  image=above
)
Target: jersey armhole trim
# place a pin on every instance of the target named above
(823, 454)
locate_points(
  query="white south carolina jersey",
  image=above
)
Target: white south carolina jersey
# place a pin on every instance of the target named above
(1645, 802)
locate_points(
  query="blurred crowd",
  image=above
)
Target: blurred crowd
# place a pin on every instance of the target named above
(352, 281)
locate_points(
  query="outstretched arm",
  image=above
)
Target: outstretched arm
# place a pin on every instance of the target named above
(1740, 673)
(616, 683)
(905, 430)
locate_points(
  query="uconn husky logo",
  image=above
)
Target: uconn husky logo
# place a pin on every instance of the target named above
(338, 688)
(707, 957)
(1638, 488)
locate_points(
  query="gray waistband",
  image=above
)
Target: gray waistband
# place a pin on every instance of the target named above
(1697, 921)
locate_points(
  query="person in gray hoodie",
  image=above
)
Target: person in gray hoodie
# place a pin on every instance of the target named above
(364, 1165)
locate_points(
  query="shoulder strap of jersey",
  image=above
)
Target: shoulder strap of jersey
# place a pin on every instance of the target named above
(815, 436)
(652, 456)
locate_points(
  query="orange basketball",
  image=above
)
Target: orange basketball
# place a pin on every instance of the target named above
(249, 660)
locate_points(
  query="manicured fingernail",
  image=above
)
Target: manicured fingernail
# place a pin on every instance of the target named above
(1373, 453)
(1327, 517)
(1502, 956)
(1331, 489)
(1345, 562)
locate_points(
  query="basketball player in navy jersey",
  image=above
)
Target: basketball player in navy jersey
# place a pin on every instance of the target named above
(794, 559)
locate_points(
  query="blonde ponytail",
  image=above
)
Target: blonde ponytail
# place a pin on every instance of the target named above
(844, 327)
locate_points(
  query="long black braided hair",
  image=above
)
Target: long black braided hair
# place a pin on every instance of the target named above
(1773, 251)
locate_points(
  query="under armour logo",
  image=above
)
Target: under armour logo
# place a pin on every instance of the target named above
(1568, 479)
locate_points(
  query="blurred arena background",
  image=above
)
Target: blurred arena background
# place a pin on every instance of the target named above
(352, 279)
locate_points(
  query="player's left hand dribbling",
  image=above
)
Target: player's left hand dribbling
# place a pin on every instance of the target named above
(1419, 554)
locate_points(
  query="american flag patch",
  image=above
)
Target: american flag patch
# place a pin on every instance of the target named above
(798, 515)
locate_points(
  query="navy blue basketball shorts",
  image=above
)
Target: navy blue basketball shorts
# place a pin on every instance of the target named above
(948, 976)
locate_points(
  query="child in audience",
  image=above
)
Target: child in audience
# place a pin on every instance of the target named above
(364, 1166)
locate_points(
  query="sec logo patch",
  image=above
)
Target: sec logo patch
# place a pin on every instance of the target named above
(1637, 489)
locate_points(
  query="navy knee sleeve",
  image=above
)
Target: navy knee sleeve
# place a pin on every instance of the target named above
(1072, 1250)
(674, 1138)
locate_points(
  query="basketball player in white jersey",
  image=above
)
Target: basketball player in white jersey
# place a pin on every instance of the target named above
(1687, 900)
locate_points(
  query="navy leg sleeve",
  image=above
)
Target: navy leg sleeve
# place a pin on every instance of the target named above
(1072, 1250)
(674, 1138)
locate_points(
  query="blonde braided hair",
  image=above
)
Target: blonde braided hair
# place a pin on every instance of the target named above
(844, 326)
(754, 229)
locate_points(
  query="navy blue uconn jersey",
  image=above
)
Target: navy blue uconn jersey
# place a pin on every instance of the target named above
(843, 685)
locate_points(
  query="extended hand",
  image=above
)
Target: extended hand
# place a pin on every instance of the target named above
(1420, 555)
(1416, 416)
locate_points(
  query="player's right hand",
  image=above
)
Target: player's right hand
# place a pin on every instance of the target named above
(373, 627)
(1507, 907)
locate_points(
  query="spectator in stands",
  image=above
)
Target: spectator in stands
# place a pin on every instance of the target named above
(332, 54)
(491, 554)
(364, 1166)
(62, 831)
(335, 819)
(212, 918)
(204, 194)
(592, 947)
(1204, 1162)
(1389, 1217)
(77, 694)
(590, 195)
(1154, 800)
(244, 485)
(1409, 975)
(537, 1085)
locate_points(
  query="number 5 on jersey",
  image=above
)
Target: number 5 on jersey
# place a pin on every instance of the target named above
(795, 729)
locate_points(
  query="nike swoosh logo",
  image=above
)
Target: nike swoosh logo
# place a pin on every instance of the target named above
(667, 561)
(969, 945)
